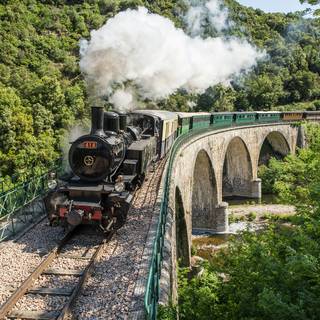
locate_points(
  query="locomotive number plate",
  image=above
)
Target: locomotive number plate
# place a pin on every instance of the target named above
(89, 144)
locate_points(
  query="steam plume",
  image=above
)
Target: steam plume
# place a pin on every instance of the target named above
(146, 53)
(123, 99)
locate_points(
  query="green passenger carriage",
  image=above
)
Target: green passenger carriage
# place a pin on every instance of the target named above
(221, 119)
(200, 120)
(244, 117)
(183, 122)
(268, 116)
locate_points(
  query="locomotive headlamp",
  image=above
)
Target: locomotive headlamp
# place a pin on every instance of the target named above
(52, 184)
(119, 185)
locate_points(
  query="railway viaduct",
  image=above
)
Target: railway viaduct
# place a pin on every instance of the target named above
(208, 167)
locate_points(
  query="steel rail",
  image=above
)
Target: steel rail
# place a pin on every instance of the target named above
(9, 304)
(86, 273)
(40, 269)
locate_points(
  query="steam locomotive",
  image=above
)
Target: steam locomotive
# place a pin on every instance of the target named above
(111, 161)
(108, 164)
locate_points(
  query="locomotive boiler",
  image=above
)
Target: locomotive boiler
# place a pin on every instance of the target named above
(107, 165)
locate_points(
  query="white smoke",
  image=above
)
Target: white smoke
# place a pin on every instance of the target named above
(70, 136)
(191, 104)
(146, 53)
(202, 11)
(122, 100)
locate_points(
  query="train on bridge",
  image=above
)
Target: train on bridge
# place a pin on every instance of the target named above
(111, 162)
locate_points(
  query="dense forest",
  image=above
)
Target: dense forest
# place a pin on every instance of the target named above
(271, 274)
(43, 94)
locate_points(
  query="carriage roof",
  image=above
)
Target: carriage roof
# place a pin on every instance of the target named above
(268, 112)
(191, 114)
(162, 114)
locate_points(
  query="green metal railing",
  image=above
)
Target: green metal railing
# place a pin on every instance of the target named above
(9, 183)
(20, 196)
(153, 283)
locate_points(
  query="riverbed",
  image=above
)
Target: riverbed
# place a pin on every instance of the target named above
(251, 217)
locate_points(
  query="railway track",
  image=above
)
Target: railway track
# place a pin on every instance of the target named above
(120, 275)
(78, 277)
(115, 273)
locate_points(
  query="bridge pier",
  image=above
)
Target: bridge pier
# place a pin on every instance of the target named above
(256, 192)
(222, 218)
(215, 220)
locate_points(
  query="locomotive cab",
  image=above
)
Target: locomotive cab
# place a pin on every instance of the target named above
(149, 125)
(164, 129)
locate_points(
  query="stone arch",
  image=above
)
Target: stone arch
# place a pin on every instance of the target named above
(273, 145)
(183, 252)
(237, 170)
(204, 193)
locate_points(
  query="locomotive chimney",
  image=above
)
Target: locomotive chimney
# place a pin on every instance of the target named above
(111, 122)
(97, 116)
(122, 120)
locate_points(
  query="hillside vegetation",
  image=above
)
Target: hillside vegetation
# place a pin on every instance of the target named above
(42, 93)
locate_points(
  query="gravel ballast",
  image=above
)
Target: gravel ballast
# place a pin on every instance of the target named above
(19, 258)
(109, 292)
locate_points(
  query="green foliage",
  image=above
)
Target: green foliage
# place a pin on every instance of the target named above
(293, 219)
(252, 216)
(197, 297)
(310, 106)
(271, 275)
(232, 218)
(218, 98)
(294, 180)
(313, 2)
(167, 312)
(20, 149)
(289, 74)
(193, 250)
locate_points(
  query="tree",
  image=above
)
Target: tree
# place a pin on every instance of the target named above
(217, 98)
(313, 2)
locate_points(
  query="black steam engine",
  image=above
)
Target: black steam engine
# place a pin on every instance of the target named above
(107, 165)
